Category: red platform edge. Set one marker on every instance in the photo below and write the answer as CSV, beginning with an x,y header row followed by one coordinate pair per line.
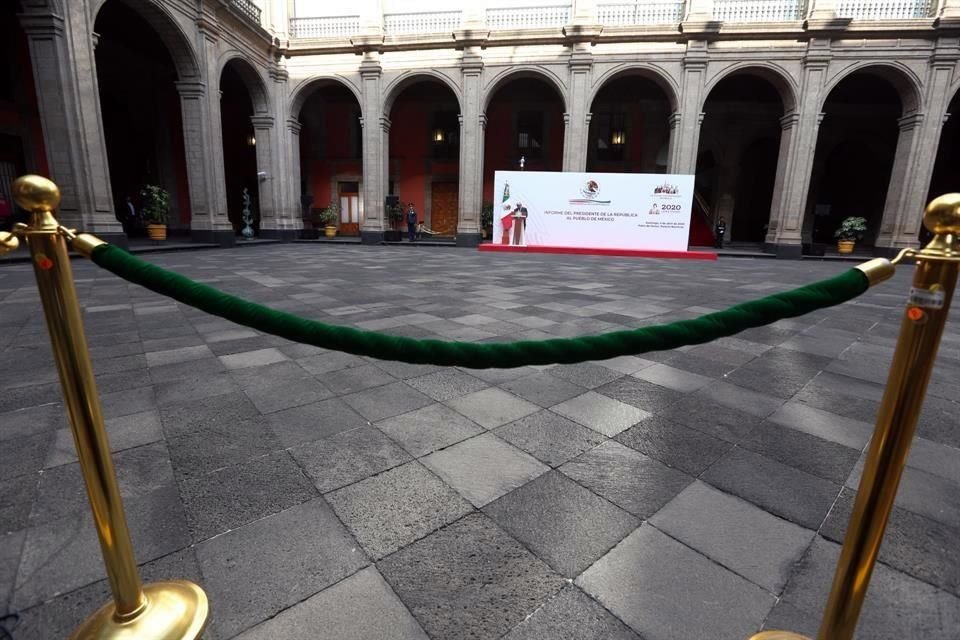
x,y
629,253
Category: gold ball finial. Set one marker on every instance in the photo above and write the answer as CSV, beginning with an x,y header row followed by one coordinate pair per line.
x,y
36,193
943,214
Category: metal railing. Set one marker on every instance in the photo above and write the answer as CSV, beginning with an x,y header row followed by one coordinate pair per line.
x,y
528,17
325,27
758,10
883,9
421,22
630,13
247,8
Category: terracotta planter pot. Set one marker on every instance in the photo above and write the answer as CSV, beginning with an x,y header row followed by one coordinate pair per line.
x,y
330,231
157,232
845,246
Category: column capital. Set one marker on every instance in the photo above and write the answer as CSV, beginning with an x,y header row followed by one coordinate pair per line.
x,y
471,64
294,126
385,124
191,88
261,122
673,120
370,67
700,117
41,24
910,121
208,26
789,120
482,118
580,61
820,117
566,118
279,74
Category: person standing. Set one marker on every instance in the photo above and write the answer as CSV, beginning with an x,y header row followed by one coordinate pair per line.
x,y
411,222
519,225
721,231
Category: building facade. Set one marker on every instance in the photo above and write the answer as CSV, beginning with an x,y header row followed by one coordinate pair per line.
x,y
792,116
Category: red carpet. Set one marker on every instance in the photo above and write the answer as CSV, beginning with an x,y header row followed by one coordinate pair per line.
x,y
630,253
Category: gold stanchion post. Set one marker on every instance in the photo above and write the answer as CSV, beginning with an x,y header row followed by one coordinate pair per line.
x,y
159,611
927,306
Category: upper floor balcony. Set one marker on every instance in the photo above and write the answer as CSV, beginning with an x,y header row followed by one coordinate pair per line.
x,y
557,14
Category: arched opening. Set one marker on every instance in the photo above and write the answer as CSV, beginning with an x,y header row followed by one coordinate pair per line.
x,y
742,123
425,155
629,128
946,169
21,138
524,121
239,147
331,157
142,121
856,146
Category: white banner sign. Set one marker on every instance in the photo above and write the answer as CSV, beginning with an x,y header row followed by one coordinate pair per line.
x,y
634,211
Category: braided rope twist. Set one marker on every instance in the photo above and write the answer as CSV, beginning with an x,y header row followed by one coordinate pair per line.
x,y
755,313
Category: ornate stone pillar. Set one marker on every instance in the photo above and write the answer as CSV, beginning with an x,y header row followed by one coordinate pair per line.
x,y
903,211
268,172
376,141
782,183
798,145
576,130
208,221
284,221
472,123
900,226
293,162
64,72
685,138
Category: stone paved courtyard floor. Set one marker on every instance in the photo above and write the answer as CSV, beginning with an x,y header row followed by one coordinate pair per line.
x,y
697,494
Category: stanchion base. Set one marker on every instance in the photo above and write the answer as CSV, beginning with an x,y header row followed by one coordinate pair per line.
x,y
176,610
778,635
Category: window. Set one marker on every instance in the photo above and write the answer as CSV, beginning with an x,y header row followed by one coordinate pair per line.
x,y
530,133
445,135
610,136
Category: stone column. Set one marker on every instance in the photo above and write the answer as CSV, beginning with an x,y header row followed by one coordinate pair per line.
x,y
286,221
472,123
782,183
798,145
577,121
64,73
268,172
293,160
902,226
204,150
685,137
376,141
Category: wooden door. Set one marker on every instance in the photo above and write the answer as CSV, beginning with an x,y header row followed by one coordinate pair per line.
x,y
349,208
444,204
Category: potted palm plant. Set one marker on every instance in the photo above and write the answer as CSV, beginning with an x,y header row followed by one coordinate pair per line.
x,y
156,207
486,220
851,230
327,218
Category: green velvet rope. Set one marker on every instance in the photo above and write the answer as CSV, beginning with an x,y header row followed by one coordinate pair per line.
x,y
755,313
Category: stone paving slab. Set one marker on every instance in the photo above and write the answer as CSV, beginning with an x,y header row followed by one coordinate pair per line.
x,y
320,494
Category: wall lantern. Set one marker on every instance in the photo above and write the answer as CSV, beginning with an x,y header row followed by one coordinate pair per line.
x,y
251,141
618,138
438,136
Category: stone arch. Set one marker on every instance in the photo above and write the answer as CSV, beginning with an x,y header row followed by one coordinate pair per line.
x,y
170,32
251,79
306,87
404,80
777,76
513,73
906,83
649,71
